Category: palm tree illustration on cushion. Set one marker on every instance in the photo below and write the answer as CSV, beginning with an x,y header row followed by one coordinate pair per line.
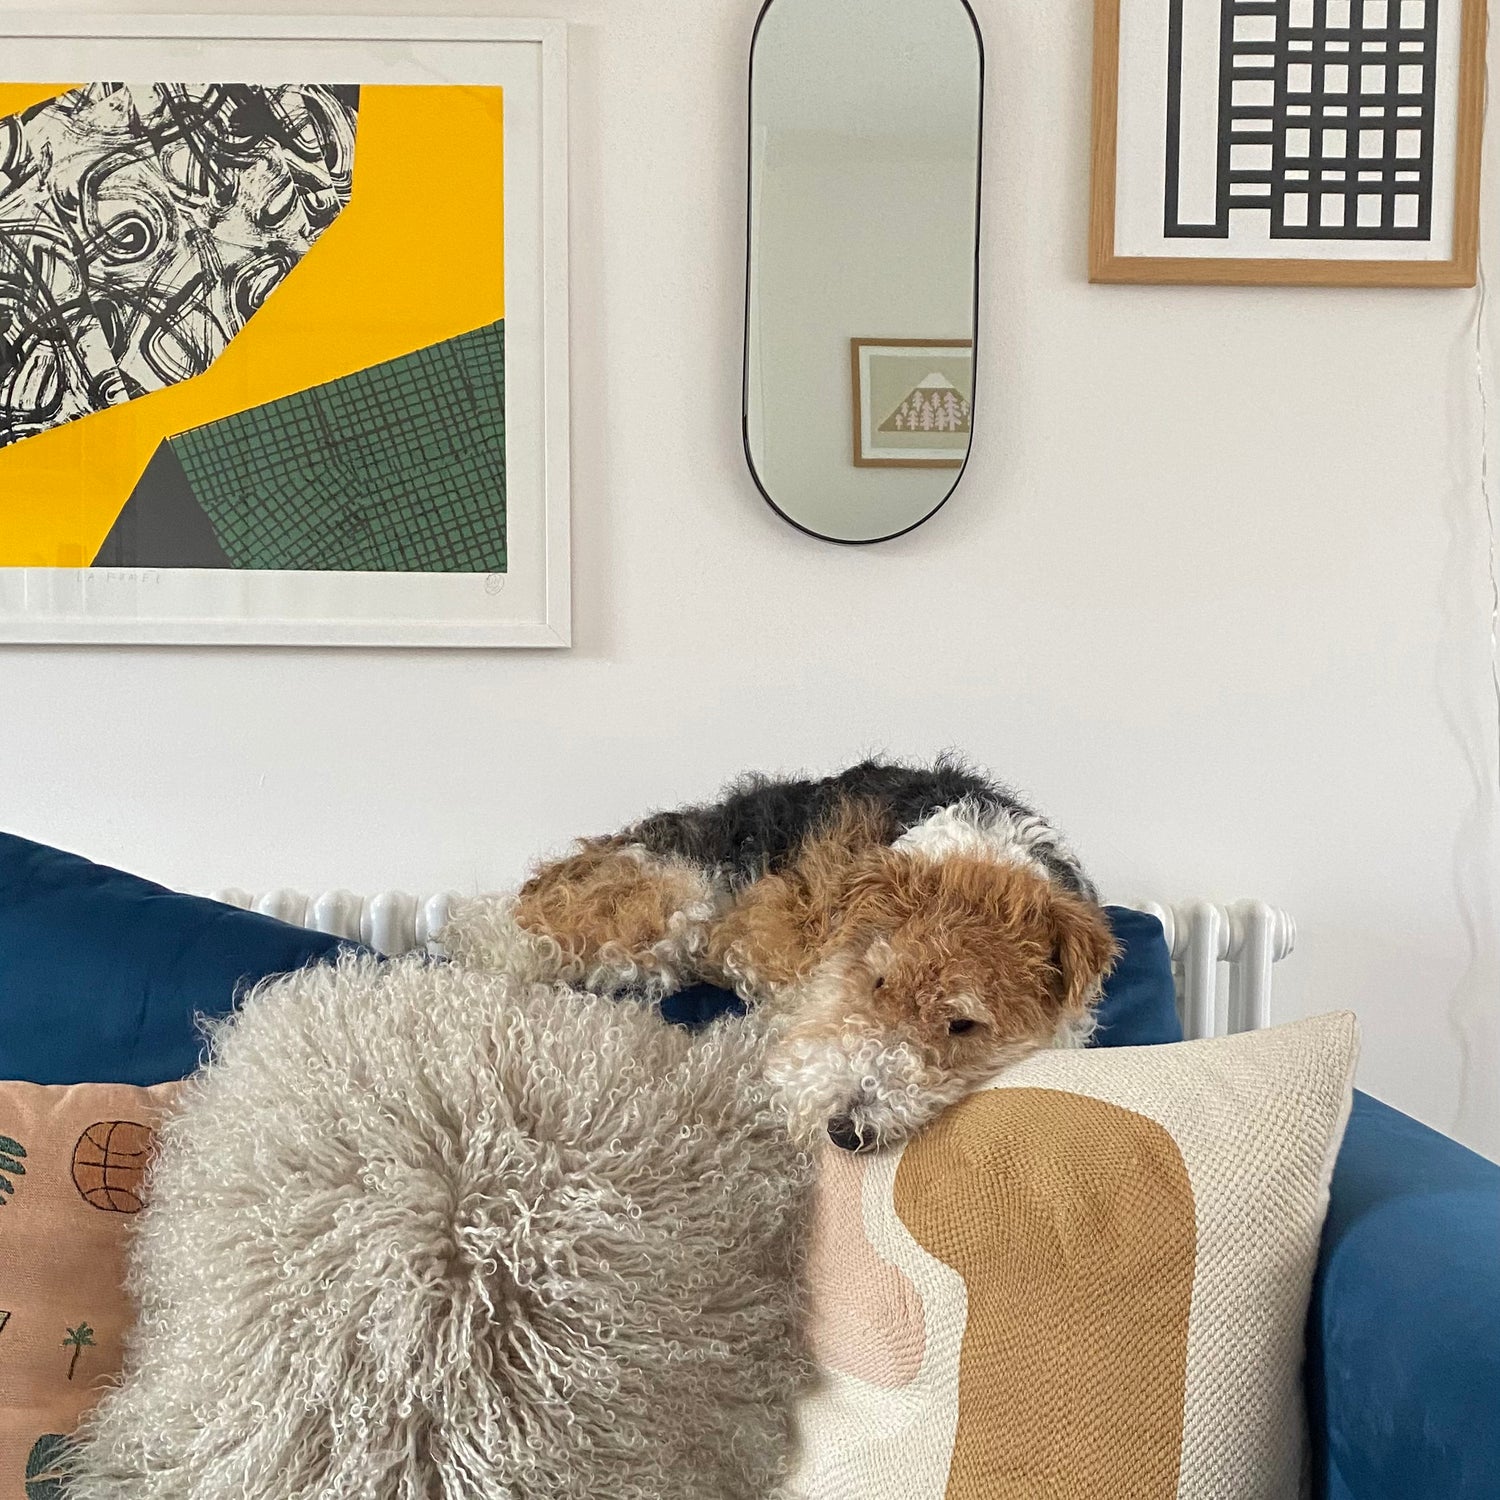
x,y
78,1340
12,1154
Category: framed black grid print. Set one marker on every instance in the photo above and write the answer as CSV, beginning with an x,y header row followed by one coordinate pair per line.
x,y
1331,142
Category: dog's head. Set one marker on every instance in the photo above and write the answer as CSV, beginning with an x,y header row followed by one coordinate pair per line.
x,y
904,981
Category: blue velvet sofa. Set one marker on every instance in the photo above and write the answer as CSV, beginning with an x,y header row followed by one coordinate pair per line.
x,y
1403,1350
102,974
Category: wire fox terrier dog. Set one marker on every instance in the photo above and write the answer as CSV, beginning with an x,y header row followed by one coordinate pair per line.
x,y
908,932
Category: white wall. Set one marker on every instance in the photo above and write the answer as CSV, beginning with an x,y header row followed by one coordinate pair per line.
x,y
1214,589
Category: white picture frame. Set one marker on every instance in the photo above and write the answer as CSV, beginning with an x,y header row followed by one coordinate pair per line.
x,y
529,605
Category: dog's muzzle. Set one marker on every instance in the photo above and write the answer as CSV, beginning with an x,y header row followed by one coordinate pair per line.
x,y
847,1136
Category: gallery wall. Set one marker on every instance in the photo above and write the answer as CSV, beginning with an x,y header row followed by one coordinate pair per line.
x,y
1215,590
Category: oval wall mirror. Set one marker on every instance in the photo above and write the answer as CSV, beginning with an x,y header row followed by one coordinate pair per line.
x,y
862,285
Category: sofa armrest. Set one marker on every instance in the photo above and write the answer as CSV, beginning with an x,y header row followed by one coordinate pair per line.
x,y
1403,1348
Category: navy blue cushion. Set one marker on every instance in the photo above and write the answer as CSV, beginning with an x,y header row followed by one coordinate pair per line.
x,y
699,1004
103,975
1403,1340
1139,1007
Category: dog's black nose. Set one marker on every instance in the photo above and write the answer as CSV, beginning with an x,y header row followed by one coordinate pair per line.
x,y
847,1136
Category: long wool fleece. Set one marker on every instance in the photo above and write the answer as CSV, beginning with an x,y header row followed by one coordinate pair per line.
x,y
420,1233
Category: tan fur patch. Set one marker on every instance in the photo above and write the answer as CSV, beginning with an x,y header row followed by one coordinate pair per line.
x,y
783,923
612,905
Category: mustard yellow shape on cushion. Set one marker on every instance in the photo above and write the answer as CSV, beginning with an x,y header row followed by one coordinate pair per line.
x,y
1072,1224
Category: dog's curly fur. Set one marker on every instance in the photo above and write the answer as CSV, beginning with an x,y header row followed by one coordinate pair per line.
x,y
420,1231
960,899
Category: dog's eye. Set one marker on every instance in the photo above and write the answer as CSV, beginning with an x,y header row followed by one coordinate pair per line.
x,y
961,1027
879,981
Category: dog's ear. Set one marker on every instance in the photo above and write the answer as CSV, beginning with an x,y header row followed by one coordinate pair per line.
x,y
1085,947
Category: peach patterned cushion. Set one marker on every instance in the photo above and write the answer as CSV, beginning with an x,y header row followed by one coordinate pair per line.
x,y
73,1163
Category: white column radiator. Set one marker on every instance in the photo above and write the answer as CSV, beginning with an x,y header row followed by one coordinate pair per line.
x,y
1222,959
1222,956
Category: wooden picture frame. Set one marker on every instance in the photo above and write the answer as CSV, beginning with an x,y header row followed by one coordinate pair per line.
x,y
934,448
1450,89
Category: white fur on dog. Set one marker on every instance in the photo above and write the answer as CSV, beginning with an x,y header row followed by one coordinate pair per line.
x,y
998,834
420,1233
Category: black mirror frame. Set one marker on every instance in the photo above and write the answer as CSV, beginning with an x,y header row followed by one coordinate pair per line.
x,y
958,478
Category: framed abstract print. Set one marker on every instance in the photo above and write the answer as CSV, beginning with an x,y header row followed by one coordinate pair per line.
x,y
1312,142
283,331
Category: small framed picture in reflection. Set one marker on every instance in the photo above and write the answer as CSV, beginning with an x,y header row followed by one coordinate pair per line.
x,y
913,402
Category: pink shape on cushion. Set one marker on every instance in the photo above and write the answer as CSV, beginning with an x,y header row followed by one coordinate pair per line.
x,y
865,1316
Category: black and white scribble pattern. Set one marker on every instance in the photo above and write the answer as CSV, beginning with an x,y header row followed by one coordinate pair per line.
x,y
1325,122
142,225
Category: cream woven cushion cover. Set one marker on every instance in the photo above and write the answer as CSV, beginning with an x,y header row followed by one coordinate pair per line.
x,y
1086,1282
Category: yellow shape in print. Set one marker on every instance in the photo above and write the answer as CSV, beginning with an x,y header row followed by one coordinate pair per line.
x,y
417,257
14,97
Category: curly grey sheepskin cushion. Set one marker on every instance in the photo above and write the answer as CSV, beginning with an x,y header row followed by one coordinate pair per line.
x,y
425,1234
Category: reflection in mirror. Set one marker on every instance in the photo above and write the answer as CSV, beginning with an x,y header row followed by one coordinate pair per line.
x,y
862,291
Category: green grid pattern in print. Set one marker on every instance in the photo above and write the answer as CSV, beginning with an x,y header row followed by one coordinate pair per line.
x,y
396,469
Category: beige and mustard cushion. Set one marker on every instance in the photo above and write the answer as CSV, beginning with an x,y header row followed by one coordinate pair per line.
x,y
1087,1281
73,1165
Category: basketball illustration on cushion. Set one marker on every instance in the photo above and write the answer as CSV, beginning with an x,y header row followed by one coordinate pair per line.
x,y
110,1162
